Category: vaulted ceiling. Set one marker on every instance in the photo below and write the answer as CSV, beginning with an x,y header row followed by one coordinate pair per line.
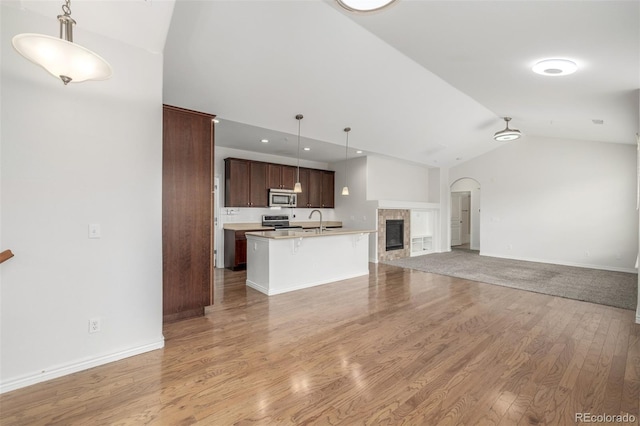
x,y
425,81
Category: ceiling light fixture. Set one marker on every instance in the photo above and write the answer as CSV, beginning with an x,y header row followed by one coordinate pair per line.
x,y
264,140
307,148
364,5
507,134
555,67
60,56
345,188
298,187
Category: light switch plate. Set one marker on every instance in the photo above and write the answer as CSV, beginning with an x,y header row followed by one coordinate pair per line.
x,y
94,230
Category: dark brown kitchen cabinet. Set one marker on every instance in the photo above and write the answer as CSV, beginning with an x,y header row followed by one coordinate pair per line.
x,y
187,214
281,176
237,182
235,249
328,189
315,188
258,188
245,183
303,197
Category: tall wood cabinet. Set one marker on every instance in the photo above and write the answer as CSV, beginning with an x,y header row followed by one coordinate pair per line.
x,y
187,213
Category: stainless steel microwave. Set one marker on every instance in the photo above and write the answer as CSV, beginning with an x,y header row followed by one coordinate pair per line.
x,y
282,198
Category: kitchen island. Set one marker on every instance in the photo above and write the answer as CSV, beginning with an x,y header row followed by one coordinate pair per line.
x,y
288,260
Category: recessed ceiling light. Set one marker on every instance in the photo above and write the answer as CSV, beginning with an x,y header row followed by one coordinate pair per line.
x,y
364,5
359,151
596,121
555,67
307,148
264,140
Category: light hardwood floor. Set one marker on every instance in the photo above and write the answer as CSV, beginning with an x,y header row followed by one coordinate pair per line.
x,y
397,347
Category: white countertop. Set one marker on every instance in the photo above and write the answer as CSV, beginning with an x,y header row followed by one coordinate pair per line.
x,y
311,233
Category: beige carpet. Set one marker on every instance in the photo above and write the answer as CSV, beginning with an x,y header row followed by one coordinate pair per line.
x,y
619,289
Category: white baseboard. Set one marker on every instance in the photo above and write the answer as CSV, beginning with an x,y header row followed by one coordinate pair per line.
x,y
555,262
32,379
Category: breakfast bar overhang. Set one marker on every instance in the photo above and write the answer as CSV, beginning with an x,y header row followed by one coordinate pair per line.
x,y
288,260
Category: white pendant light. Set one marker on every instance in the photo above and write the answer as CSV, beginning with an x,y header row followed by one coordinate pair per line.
x,y
345,188
507,134
298,187
364,5
60,56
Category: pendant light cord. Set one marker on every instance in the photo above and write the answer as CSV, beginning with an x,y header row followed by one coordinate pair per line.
x,y
346,155
298,117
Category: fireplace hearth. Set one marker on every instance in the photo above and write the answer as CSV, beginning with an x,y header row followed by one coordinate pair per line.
x,y
394,239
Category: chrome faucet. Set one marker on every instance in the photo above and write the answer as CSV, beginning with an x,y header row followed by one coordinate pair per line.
x,y
320,213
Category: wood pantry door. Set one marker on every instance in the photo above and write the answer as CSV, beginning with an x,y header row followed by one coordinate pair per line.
x,y
187,213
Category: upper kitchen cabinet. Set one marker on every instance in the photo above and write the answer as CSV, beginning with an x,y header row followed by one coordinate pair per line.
x,y
281,176
236,182
258,188
245,183
317,188
328,189
187,194
303,197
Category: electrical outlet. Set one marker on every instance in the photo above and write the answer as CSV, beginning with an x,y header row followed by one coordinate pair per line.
x,y
94,325
94,230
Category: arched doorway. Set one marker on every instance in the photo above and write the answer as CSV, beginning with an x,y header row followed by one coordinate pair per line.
x,y
465,214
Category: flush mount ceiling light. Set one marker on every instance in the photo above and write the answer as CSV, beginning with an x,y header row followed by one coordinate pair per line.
x,y
60,56
298,186
507,134
364,5
555,67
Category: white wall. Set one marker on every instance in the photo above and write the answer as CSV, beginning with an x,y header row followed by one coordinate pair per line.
x,y
433,195
396,180
558,201
88,153
354,210
638,207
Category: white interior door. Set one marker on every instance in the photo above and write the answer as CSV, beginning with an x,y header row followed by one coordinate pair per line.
x,y
465,217
456,218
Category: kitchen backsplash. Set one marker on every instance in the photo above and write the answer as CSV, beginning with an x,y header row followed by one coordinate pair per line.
x,y
252,214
